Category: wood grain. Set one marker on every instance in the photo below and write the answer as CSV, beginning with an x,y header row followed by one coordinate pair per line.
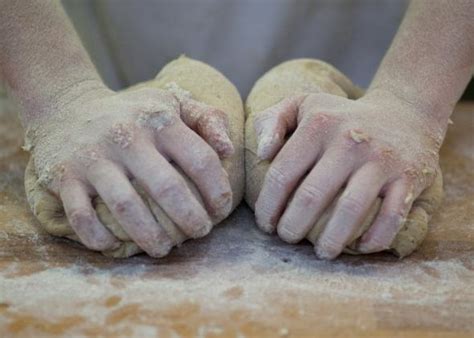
x,y
238,282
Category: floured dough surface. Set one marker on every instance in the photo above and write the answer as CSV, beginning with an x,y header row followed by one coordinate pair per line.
x,y
305,76
204,84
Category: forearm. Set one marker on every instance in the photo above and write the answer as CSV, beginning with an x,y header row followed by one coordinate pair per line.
x,y
431,59
42,59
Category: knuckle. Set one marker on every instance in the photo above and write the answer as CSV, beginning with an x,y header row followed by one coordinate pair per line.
x,y
159,114
121,134
81,217
408,177
358,136
60,175
309,195
98,243
169,188
350,205
62,172
384,155
123,205
317,121
205,162
412,176
329,243
419,176
277,177
394,219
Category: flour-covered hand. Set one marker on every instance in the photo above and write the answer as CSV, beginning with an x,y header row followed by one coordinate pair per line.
x,y
376,146
94,141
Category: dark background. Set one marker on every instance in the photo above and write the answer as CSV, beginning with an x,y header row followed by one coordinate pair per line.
x,y
469,93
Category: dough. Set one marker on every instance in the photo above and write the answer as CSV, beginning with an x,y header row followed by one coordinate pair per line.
x,y
206,85
314,76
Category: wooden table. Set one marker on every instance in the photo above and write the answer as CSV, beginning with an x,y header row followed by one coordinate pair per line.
x,y
238,282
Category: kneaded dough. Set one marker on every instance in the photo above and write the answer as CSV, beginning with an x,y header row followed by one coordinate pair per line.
x,y
207,85
303,76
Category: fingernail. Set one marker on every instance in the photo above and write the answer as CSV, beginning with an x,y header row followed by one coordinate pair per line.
x,y
287,235
223,206
204,230
362,247
322,254
367,247
160,251
268,228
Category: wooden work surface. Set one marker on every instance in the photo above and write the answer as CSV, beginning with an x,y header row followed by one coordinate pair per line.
x,y
238,282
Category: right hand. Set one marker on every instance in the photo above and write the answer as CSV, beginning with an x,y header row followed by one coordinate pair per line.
x,y
94,144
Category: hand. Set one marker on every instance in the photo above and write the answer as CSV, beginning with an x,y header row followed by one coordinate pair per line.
x,y
378,145
94,144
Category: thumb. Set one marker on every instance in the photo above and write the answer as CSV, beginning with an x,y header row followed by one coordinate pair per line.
x,y
210,123
274,123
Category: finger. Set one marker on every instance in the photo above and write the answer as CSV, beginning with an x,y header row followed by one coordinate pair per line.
x,y
293,161
314,195
83,219
273,124
351,210
197,159
210,123
128,209
168,189
390,219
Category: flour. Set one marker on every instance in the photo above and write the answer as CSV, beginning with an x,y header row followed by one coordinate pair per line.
x,y
359,136
121,135
288,292
158,117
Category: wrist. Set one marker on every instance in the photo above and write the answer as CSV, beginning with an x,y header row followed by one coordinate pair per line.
x,y
64,97
429,111
78,93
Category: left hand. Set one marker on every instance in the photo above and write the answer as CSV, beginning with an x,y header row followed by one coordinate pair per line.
x,y
378,145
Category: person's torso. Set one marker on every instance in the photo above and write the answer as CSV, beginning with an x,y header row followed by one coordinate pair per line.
x,y
130,41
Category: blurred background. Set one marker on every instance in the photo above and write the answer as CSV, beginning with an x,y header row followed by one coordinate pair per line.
x,y
469,92
130,41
